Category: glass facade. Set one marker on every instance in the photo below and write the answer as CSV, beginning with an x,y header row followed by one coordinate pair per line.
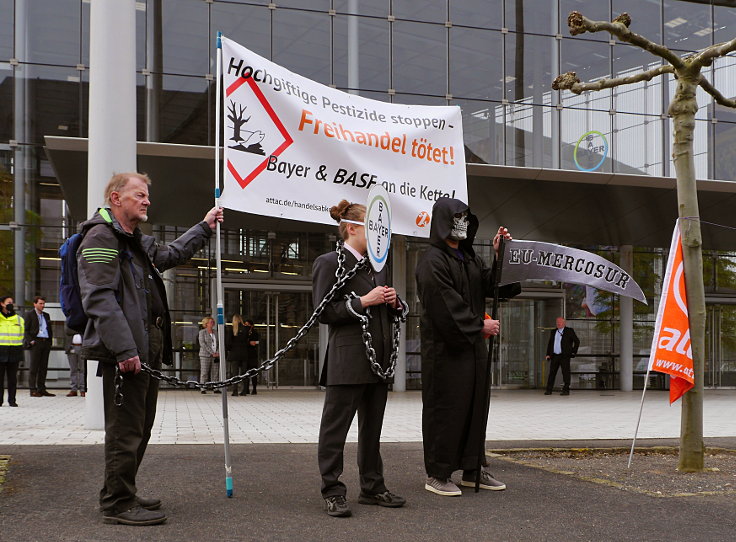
x,y
493,58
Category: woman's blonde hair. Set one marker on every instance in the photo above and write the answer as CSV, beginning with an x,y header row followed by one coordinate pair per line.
x,y
348,211
237,322
205,320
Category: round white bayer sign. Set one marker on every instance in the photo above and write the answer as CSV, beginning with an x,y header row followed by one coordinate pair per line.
x,y
378,226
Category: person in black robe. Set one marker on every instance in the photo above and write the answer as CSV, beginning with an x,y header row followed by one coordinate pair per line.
x,y
453,284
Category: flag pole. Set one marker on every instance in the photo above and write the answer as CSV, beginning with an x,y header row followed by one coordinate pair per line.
x,y
487,385
638,421
218,250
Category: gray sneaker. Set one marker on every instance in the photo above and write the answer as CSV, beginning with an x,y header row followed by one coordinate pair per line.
x,y
445,487
487,481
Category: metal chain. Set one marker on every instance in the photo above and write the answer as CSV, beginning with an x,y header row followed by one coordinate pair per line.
x,y
118,387
365,319
342,279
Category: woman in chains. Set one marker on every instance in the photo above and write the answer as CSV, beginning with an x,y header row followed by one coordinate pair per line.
x,y
351,385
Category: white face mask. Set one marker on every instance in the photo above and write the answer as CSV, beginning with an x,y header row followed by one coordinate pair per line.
x,y
459,230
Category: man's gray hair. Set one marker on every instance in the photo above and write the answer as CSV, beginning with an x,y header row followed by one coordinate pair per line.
x,y
118,182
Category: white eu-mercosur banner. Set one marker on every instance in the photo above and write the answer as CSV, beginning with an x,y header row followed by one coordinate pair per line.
x,y
293,147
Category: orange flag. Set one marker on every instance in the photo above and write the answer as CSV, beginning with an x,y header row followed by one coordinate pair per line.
x,y
671,349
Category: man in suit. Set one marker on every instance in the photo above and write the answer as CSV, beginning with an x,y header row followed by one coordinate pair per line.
x,y
37,339
563,345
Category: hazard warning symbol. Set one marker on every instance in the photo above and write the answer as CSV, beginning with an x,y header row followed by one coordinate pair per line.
x,y
252,132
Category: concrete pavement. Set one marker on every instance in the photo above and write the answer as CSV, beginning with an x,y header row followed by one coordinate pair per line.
x,y
56,466
188,417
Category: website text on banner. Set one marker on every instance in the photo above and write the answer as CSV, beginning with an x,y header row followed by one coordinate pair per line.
x,y
671,348
294,147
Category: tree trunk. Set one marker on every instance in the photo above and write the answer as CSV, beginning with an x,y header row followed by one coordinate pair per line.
x,y
683,109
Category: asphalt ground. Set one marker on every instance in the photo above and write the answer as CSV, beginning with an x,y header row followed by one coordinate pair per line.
x,y
50,494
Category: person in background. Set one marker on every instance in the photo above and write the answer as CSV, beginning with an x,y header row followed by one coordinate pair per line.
x,y
11,348
209,354
236,345
77,370
38,339
562,345
253,340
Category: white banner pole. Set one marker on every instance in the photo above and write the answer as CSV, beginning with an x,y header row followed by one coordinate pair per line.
x,y
218,251
638,421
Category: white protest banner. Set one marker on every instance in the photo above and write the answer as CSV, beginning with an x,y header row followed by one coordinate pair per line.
x,y
378,226
293,147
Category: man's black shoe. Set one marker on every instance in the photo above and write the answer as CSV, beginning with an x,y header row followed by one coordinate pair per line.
x,y
548,393
135,516
387,499
13,404
337,506
149,503
565,393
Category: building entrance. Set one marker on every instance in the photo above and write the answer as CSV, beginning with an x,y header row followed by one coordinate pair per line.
x,y
525,324
278,314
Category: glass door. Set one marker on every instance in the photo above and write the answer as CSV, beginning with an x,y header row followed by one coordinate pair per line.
x,y
278,315
525,325
720,346
300,366
515,368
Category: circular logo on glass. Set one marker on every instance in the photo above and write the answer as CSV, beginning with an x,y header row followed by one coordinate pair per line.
x,y
590,151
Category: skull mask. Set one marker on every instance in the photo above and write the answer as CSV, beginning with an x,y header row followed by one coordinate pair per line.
x,y
459,227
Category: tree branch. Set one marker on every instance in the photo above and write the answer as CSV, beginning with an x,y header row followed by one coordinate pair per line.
x,y
569,81
709,54
619,27
713,91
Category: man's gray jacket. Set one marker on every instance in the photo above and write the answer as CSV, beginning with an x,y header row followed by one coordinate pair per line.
x,y
115,288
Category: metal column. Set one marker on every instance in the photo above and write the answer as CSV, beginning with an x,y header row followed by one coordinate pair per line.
x,y
398,258
627,325
112,95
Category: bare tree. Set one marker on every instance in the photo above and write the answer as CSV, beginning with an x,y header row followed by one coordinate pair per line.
x,y
682,109
237,119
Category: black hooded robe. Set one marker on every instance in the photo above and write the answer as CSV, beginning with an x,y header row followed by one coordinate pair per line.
x,y
452,287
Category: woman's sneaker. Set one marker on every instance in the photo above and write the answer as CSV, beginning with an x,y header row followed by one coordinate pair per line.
x,y
387,499
445,487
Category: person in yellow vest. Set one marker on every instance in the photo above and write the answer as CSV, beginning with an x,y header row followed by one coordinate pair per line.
x,y
11,347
